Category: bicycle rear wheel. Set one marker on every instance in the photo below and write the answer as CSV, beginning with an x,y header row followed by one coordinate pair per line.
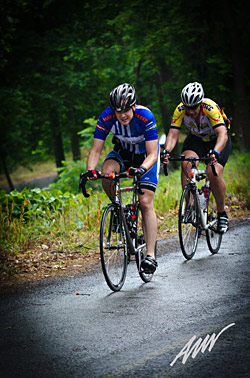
x,y
113,247
213,237
188,222
142,250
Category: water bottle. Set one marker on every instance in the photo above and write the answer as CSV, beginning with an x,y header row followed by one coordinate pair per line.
x,y
206,192
203,200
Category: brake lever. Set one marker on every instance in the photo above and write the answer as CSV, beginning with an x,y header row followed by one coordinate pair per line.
x,y
212,166
82,185
165,169
213,169
138,187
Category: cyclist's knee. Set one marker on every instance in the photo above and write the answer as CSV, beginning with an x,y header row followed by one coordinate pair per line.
x,y
110,165
219,171
146,200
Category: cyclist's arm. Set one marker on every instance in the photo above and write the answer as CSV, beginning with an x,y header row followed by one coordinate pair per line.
x,y
152,153
221,133
171,139
94,154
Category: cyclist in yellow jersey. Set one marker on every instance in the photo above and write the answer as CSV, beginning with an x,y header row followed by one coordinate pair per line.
x,y
208,130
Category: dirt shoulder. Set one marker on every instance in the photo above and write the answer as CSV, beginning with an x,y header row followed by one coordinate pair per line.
x,y
44,263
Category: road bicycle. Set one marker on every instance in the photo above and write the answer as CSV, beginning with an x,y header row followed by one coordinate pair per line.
x,y
121,232
197,209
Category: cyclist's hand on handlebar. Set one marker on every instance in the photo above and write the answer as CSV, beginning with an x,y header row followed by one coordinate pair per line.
x,y
214,156
132,172
91,174
165,156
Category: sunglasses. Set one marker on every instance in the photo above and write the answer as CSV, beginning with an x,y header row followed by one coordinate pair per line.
x,y
191,107
124,110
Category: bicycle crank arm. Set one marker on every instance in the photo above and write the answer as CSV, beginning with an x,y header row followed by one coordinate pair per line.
x,y
210,225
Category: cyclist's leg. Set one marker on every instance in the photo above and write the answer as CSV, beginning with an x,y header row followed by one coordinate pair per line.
x,y
218,187
192,147
149,220
217,183
112,163
186,166
148,184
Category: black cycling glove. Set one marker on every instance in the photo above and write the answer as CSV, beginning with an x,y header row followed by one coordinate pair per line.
x,y
136,171
163,154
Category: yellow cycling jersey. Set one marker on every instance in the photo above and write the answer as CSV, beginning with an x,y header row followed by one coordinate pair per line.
x,y
211,116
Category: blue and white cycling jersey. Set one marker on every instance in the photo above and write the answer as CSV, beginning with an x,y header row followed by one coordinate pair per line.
x,y
133,136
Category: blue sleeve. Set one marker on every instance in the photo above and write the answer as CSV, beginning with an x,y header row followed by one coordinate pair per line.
x,y
104,124
151,132
147,118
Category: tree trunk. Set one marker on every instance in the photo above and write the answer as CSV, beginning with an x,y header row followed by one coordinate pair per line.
x,y
58,149
5,169
242,109
164,111
57,139
75,146
163,108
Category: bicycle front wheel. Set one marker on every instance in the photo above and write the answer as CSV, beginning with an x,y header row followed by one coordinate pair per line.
x,y
213,237
142,249
113,247
188,222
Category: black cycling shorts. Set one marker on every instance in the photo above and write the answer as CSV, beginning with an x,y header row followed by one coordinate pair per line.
x,y
201,148
127,159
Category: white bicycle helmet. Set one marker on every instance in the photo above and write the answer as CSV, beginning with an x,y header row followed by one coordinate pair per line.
x,y
122,97
192,94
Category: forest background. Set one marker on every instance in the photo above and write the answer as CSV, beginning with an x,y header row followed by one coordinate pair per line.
x,y
60,59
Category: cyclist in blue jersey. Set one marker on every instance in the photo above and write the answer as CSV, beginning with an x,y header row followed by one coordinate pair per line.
x,y
136,151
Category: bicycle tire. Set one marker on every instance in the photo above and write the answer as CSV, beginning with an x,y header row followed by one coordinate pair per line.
x,y
141,254
214,239
113,247
188,222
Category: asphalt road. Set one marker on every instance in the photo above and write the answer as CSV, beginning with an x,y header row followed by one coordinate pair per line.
x,y
146,330
37,182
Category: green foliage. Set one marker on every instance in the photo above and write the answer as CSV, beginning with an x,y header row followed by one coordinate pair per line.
x,y
58,67
69,219
87,133
69,176
237,177
30,213
65,64
37,215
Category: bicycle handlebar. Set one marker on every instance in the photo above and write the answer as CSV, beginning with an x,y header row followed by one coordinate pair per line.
x,y
113,176
191,159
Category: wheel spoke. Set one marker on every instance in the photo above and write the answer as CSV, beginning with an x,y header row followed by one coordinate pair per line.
x,y
213,237
188,223
113,248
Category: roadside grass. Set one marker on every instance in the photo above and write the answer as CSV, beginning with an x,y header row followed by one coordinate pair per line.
x,y
38,225
237,178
